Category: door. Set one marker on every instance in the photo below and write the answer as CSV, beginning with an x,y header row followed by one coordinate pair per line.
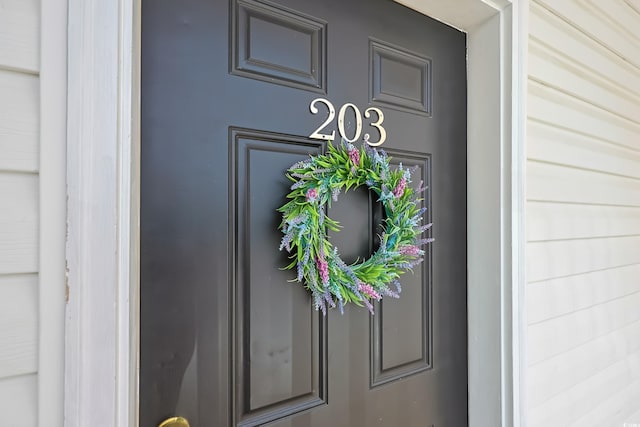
x,y
226,338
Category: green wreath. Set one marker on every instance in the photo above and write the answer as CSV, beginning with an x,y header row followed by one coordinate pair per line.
x,y
318,181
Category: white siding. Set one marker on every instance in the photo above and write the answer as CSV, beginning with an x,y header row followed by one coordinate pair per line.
x,y
20,35
19,215
583,213
18,401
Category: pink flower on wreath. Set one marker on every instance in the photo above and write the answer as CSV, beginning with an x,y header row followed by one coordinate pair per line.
x,y
354,155
312,195
323,269
410,250
369,291
399,190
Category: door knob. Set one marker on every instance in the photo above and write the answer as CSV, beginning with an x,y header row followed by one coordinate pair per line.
x,y
174,422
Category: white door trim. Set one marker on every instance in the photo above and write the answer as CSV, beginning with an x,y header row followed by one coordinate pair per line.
x,y
495,216
517,239
101,349
53,214
101,330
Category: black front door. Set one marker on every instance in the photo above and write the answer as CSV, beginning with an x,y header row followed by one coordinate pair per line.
x,y
226,339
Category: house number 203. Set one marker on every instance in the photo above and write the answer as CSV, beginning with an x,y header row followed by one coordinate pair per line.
x,y
318,133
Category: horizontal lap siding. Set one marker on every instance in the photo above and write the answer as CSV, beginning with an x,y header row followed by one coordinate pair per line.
x,y
583,213
20,35
18,223
19,400
19,105
19,216
18,333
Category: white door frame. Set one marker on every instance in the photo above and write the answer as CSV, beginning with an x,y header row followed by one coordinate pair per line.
x,y
102,328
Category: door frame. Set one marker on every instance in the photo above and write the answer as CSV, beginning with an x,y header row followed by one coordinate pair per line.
x,y
103,191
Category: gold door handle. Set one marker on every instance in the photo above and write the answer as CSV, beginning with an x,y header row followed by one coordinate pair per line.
x,y
174,422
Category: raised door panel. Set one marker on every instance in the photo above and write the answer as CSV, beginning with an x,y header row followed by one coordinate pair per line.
x,y
280,362
278,45
401,336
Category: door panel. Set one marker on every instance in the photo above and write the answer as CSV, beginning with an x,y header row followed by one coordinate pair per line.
x,y
226,339
277,44
279,340
401,339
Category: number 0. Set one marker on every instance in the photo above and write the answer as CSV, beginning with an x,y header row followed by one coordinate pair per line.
x,y
341,114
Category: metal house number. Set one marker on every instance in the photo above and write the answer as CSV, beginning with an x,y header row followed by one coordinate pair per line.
x,y
318,133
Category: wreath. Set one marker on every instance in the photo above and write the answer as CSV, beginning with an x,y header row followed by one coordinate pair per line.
x,y
317,182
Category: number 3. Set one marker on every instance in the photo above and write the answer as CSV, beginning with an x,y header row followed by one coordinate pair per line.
x,y
377,125
317,134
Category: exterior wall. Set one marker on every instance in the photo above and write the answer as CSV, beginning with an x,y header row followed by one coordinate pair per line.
x,y
583,213
19,215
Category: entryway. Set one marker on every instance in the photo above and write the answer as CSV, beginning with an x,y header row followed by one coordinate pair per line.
x,y
225,338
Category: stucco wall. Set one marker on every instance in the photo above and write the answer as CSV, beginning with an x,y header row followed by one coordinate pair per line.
x,y
583,213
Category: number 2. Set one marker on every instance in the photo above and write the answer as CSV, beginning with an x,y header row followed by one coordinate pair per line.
x,y
332,113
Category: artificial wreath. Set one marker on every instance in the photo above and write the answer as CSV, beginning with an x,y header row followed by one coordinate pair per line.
x,y
317,182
